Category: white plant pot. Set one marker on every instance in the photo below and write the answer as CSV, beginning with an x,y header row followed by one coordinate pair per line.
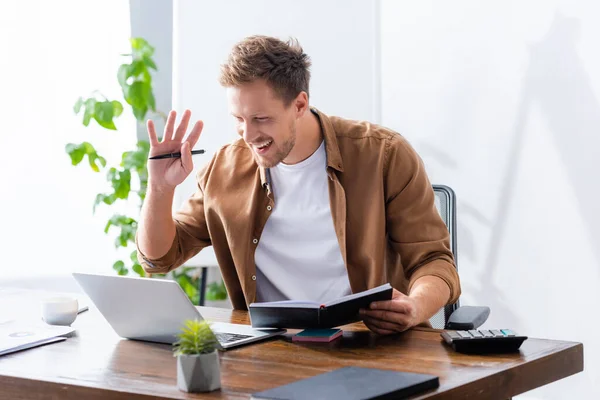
x,y
198,373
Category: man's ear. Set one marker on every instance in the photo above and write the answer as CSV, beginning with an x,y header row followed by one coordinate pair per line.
x,y
300,104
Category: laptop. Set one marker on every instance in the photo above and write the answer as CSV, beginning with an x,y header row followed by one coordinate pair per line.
x,y
154,310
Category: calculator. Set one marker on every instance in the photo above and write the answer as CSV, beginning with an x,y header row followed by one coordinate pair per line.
x,y
484,341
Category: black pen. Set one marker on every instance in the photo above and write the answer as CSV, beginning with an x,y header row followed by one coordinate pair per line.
x,y
174,155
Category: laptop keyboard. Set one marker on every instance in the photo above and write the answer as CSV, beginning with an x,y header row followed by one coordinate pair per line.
x,y
223,337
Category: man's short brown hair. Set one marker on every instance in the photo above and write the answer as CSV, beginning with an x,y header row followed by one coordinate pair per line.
x,y
283,65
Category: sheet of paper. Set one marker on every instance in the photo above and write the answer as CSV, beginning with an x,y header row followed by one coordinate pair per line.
x,y
17,335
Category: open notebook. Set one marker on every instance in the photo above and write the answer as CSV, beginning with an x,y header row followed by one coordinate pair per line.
x,y
294,314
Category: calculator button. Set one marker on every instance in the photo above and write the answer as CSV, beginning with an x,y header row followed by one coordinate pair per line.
x,y
486,333
497,333
475,333
464,334
453,335
508,332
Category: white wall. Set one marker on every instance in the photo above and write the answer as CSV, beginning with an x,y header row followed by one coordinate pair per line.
x,y
204,33
50,54
153,20
501,100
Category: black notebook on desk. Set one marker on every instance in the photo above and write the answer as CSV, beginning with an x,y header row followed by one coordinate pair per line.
x,y
294,314
353,383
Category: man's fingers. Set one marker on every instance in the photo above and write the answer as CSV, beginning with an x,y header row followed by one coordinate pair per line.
x,y
195,134
384,315
169,127
376,329
391,305
183,125
385,325
152,132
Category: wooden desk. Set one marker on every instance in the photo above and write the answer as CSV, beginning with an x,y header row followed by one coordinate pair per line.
x,y
97,364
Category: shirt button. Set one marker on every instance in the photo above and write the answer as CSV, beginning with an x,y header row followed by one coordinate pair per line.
x,y
269,208
253,277
254,240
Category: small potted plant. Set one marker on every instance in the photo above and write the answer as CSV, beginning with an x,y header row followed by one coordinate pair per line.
x,y
198,367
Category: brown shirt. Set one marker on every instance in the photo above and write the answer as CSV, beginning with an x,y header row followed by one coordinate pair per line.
x,y
382,205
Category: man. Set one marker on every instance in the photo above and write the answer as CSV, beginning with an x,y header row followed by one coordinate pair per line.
x,y
303,206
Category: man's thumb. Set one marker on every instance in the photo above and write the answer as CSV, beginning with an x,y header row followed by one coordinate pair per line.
x,y
186,158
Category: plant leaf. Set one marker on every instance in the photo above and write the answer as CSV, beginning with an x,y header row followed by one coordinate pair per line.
x,y
137,67
117,108
119,266
137,94
123,74
78,104
103,114
141,48
88,114
151,101
196,337
75,152
140,113
137,268
150,63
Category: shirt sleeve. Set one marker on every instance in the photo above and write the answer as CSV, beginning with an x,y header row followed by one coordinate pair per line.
x,y
416,231
191,233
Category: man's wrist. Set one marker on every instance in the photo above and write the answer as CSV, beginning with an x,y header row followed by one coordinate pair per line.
x,y
430,293
160,189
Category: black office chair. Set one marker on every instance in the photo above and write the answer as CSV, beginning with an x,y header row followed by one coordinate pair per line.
x,y
453,316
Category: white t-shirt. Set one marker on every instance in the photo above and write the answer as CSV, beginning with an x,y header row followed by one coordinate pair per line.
x,y
298,256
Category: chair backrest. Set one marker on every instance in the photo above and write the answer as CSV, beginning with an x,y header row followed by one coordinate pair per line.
x,y
445,202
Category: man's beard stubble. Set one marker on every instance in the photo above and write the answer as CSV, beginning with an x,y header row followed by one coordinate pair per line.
x,y
281,153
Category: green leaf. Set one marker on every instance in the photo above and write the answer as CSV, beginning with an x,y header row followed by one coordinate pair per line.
x,y
78,104
122,185
92,158
123,74
103,198
133,256
151,101
87,116
119,266
75,152
128,228
90,105
138,93
120,182
216,291
137,268
141,48
140,113
150,63
104,111
138,67
117,108
103,114
137,159
196,337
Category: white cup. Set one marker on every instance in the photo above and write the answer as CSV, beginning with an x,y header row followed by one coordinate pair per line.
x,y
60,310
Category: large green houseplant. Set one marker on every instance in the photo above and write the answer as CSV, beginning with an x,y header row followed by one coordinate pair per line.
x,y
130,176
